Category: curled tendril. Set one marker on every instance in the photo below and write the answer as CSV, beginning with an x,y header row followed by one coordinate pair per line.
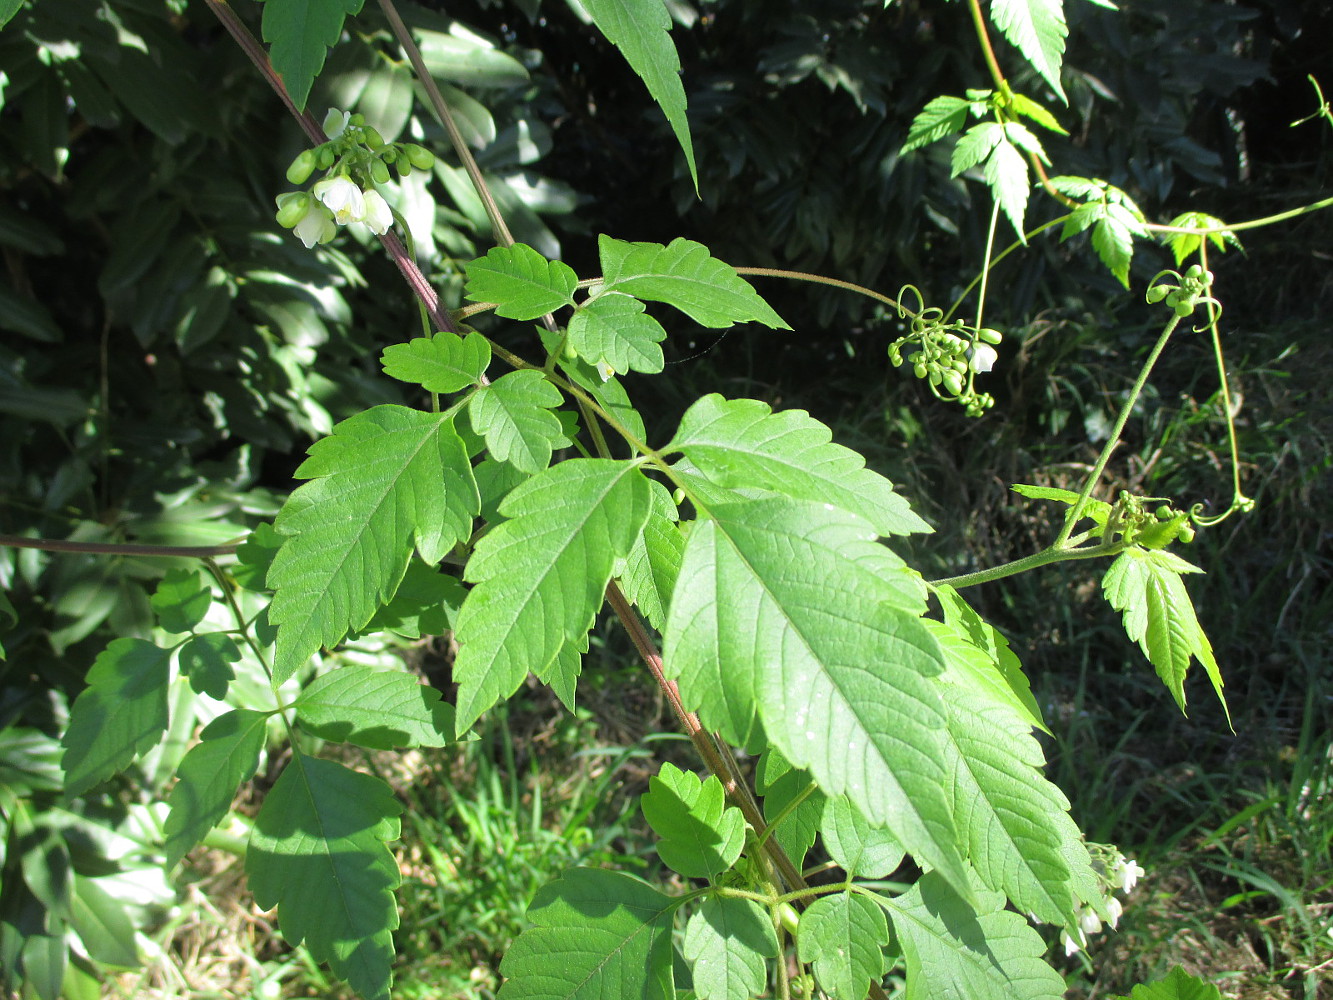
x,y
903,311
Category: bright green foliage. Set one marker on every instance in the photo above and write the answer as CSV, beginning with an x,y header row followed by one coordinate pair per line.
x,y
1146,585
701,836
597,934
942,116
442,363
684,275
1037,29
955,950
654,561
300,33
206,660
386,479
1185,245
639,29
1097,510
319,854
520,282
514,415
120,714
1114,217
862,850
843,937
101,922
1001,148
1178,985
787,610
181,600
1030,109
377,709
793,804
541,575
727,942
613,328
741,442
225,756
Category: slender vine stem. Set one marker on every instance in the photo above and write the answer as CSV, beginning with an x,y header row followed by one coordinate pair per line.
x,y
116,548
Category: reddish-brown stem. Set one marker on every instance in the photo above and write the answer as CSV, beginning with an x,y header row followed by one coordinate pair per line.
x,y
115,548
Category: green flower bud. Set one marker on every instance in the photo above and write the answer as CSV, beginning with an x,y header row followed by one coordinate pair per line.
x,y
420,157
953,382
919,370
403,165
302,167
988,336
324,157
292,208
1184,307
1156,293
372,138
379,173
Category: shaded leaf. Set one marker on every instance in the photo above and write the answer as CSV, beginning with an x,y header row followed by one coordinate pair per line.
x,y
793,802
181,599
318,853
206,660
843,937
654,561
597,934
684,275
426,603
514,415
100,920
726,943
445,362
300,33
386,479
862,850
955,950
209,776
121,714
377,709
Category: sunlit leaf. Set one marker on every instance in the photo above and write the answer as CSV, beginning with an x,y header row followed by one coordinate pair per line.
x,y
842,937
727,941
514,415
613,328
208,778
1037,29
700,835
378,709
445,362
521,282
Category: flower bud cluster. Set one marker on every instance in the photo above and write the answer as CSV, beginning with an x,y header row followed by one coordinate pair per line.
x,y
948,356
1192,289
1117,874
355,159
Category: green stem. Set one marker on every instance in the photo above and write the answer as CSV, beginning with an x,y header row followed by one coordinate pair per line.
x,y
1135,391
1267,220
116,548
1045,557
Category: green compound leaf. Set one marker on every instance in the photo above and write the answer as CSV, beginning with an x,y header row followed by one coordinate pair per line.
x,y
442,363
181,600
514,415
613,328
741,442
206,660
426,603
377,709
1096,510
521,282
955,950
541,575
1146,585
859,848
1114,217
209,776
942,116
639,29
121,714
299,33
790,611
843,937
319,854
684,275
598,934
701,836
726,943
1037,29
386,479
1007,175
1178,985
1028,108
975,146
654,561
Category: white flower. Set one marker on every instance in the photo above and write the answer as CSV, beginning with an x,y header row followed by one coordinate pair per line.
x,y
1072,946
1128,872
605,370
378,217
1088,921
1113,911
316,226
335,122
342,197
982,358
